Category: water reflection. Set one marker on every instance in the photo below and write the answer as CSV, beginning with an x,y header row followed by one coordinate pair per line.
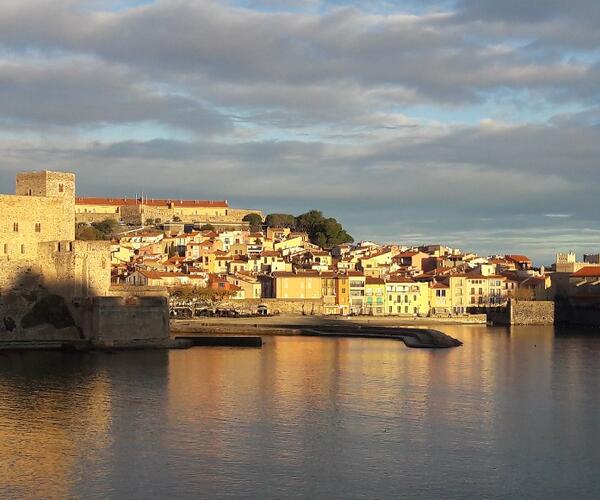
x,y
511,413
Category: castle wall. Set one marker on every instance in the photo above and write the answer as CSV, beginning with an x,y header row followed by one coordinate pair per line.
x,y
19,229
75,268
127,320
56,185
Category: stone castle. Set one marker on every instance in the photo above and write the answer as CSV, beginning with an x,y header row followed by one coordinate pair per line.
x,y
54,287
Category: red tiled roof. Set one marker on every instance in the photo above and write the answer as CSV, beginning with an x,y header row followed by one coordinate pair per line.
x,y
522,259
150,202
587,272
400,279
374,281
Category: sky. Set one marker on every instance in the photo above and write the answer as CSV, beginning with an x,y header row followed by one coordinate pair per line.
x,y
473,123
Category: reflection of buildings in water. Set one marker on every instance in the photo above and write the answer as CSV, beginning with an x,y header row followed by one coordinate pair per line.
x,y
54,412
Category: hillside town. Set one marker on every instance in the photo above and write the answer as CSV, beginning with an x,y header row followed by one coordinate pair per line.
x,y
263,269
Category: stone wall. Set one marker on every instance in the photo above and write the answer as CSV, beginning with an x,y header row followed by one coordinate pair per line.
x,y
524,312
274,306
75,268
128,319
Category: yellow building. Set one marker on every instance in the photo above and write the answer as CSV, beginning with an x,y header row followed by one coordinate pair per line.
x,y
356,285
249,285
292,242
297,285
374,296
440,299
376,264
342,291
278,233
404,296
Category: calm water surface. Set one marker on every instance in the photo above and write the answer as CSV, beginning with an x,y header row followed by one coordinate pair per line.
x,y
511,414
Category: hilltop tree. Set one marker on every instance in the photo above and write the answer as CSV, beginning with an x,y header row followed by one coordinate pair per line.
x,y
280,220
255,221
322,231
207,227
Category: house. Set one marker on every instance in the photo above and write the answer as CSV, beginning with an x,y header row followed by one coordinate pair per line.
x,y
440,299
297,285
143,277
374,303
356,285
405,296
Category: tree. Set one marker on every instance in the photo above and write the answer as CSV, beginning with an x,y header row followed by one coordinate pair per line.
x,y
102,230
255,221
207,227
176,219
325,232
149,221
280,220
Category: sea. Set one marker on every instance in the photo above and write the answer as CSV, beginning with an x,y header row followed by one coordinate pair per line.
x,y
513,413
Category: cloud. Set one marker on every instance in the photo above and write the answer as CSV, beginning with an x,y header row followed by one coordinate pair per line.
x,y
417,117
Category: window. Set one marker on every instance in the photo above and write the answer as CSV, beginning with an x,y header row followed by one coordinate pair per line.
x,y
22,248
6,248
38,227
61,188
16,227
29,192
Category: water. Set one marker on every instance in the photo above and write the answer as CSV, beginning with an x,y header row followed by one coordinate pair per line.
x,y
511,414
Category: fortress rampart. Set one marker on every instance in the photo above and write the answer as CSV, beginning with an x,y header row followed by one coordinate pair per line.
x,y
51,283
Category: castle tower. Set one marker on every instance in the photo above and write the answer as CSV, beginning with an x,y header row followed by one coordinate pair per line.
x,y
52,185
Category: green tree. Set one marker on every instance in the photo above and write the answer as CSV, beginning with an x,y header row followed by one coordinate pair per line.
x,y
280,220
103,230
325,232
207,227
255,221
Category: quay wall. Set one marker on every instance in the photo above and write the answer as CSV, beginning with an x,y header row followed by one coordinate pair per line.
x,y
524,312
568,313
125,319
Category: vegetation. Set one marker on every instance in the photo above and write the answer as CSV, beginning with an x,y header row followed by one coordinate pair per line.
x,y
255,221
280,220
323,231
103,230
207,227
